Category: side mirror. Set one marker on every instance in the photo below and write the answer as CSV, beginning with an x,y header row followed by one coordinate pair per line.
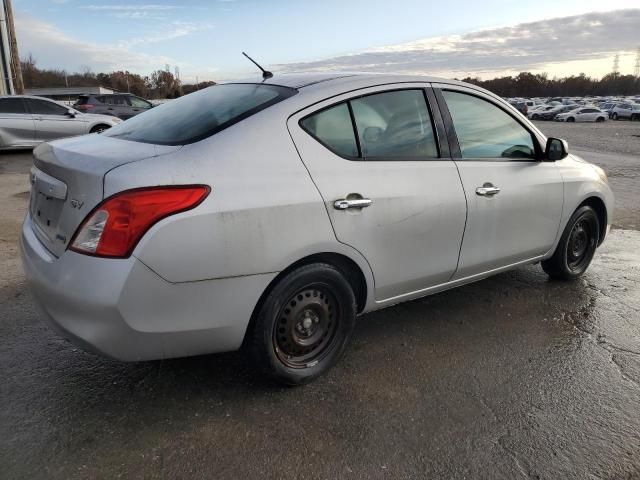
x,y
556,149
372,134
71,113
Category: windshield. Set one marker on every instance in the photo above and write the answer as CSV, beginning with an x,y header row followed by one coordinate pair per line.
x,y
200,114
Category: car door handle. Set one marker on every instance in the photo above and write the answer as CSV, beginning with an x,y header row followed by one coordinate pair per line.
x,y
487,190
343,203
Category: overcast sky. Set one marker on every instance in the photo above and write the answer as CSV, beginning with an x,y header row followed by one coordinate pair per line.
x,y
452,39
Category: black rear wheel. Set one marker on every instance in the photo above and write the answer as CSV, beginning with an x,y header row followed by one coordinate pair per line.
x,y
303,325
576,247
600,119
99,128
571,119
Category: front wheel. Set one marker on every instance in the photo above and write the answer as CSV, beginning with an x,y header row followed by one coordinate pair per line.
x,y
576,247
614,116
600,119
99,128
303,325
571,119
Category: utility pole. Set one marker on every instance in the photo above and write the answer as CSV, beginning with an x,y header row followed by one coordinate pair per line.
x,y
636,69
13,47
616,64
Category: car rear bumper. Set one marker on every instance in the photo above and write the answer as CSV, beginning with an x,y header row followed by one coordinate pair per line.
x,y
120,308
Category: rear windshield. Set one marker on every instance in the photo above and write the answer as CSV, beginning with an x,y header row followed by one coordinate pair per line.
x,y
200,114
82,100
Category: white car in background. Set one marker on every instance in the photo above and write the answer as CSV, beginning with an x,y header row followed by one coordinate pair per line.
x,y
26,121
582,114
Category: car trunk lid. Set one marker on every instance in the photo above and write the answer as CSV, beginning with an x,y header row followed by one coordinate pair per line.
x,y
67,182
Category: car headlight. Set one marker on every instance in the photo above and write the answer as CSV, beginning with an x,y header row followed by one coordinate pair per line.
x,y
601,173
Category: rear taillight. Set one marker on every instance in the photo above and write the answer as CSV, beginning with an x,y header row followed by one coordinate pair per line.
x,y
114,227
84,106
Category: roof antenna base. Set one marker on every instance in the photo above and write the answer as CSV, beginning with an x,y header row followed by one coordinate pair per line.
x,y
266,74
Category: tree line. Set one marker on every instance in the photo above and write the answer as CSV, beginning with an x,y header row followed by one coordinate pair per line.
x,y
163,84
528,84
159,84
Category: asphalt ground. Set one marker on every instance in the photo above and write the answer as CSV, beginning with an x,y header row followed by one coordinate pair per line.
x,y
512,377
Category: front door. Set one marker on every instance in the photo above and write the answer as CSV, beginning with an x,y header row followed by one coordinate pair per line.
x,y
52,120
389,188
514,198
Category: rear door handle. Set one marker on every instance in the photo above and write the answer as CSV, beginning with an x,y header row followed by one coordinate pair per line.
x,y
343,203
487,190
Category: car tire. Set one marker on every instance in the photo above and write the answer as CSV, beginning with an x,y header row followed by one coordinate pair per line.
x,y
600,119
571,119
534,117
302,327
635,117
99,128
576,247
614,116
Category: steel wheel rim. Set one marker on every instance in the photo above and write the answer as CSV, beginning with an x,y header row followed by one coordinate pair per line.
x,y
580,245
306,326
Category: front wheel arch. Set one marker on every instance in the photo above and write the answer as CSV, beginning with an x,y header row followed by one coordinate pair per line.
x,y
101,127
601,211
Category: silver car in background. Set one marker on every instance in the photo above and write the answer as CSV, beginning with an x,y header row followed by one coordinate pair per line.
x,y
270,213
26,121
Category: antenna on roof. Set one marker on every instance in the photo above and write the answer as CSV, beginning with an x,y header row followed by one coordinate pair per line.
x,y
265,73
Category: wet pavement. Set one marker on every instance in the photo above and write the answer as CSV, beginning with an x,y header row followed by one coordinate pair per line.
x,y
512,377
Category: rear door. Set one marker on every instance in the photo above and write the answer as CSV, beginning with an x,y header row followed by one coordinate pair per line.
x,y
52,120
138,105
514,199
16,123
389,185
118,106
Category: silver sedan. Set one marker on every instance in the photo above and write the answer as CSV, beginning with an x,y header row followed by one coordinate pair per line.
x,y
270,213
26,121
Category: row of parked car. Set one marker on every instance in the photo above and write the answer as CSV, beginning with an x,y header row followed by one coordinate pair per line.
x,y
27,120
579,109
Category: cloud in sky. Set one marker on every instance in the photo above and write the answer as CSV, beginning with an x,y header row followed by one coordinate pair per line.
x,y
48,42
536,46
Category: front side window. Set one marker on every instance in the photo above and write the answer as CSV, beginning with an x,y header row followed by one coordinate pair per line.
x,y
395,125
138,103
486,131
200,114
12,105
333,128
42,107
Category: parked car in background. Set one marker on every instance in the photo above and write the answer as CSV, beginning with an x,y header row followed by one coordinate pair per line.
x,y
121,105
582,114
551,113
521,107
261,213
535,114
26,121
629,111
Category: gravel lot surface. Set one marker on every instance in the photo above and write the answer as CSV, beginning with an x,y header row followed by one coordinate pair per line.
x,y
512,377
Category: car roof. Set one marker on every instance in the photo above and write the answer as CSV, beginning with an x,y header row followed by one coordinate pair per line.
x,y
303,80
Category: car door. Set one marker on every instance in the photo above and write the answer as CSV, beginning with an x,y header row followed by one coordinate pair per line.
x,y
514,199
390,188
118,106
53,121
16,123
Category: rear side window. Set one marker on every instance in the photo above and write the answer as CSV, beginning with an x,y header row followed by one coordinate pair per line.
x,y
82,100
333,128
486,131
200,114
395,125
12,105
392,125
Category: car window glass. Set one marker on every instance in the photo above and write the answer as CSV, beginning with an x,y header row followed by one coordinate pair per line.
x,y
486,131
11,105
42,107
394,125
138,102
334,129
200,114
116,100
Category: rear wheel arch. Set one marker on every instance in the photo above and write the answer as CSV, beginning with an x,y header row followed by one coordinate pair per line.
x,y
601,210
101,127
345,265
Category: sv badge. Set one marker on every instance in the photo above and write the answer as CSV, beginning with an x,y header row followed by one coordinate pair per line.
x,y
76,203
